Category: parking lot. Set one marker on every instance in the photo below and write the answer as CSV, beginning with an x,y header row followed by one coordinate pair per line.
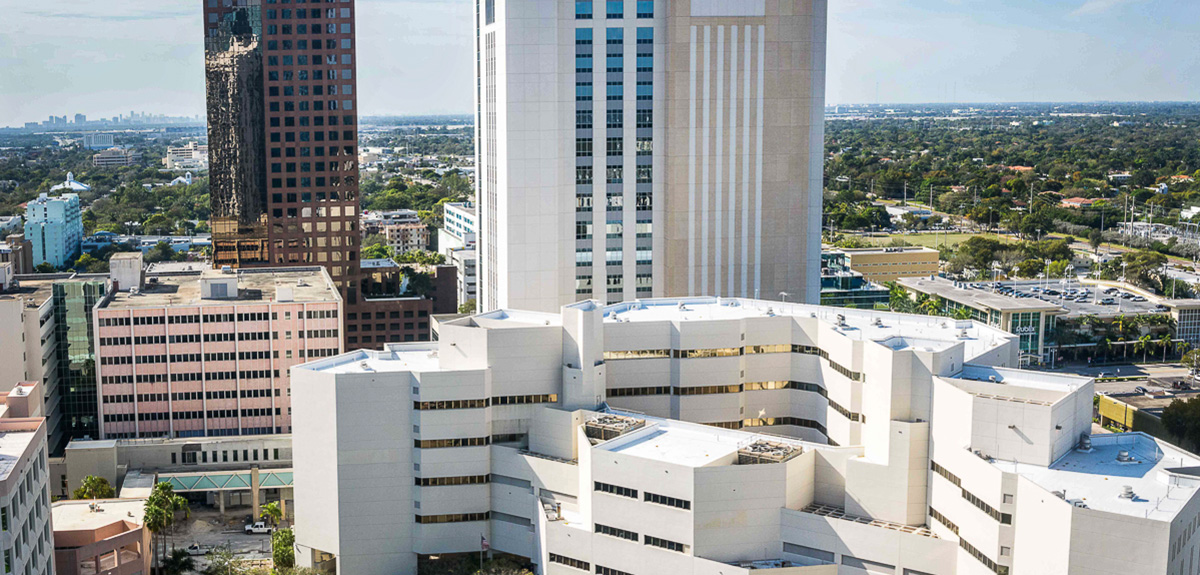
x,y
205,528
1078,299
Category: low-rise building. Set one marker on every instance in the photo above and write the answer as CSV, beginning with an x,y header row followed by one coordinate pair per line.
x,y
98,141
191,156
464,260
459,227
374,222
105,536
1032,320
210,354
1077,203
407,237
116,157
18,251
885,264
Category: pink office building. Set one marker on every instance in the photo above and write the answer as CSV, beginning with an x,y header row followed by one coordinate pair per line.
x,y
209,355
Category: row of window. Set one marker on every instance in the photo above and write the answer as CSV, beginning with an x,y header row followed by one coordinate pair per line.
x,y
665,544
642,119
449,481
600,570
732,352
937,516
616,532
460,442
584,175
482,403
616,490
615,147
569,562
613,9
454,518
979,555
301,13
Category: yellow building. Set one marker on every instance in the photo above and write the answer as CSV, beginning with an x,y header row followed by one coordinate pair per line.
x,y
881,265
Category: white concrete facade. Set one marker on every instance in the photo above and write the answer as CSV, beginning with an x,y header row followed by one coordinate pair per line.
x,y
874,422
634,149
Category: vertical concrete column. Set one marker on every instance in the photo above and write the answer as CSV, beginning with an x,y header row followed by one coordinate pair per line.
x,y
283,495
255,496
221,503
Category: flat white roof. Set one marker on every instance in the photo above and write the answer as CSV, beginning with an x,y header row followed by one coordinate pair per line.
x,y
690,444
672,444
894,330
1063,382
78,514
1097,478
12,446
420,357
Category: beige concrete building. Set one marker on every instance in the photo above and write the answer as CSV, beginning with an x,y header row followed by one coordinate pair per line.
x,y
881,265
101,537
644,149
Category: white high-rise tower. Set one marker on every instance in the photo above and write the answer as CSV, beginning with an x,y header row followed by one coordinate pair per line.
x,y
637,148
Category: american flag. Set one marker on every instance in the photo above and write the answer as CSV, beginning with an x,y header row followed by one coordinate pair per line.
x,y
483,543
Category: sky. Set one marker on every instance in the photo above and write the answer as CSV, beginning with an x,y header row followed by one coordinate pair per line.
x,y
64,57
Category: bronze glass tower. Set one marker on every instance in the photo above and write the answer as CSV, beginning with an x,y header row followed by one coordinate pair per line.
x,y
283,135
283,158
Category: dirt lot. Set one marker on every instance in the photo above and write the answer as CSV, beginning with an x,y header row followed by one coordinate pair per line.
x,y
205,528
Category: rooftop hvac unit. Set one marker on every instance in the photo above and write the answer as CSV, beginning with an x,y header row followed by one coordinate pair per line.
x,y
1127,492
1085,442
1124,457
227,269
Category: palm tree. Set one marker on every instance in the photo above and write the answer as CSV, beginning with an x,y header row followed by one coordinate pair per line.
x,y
931,306
1165,344
1182,347
161,509
1143,345
178,563
273,512
961,313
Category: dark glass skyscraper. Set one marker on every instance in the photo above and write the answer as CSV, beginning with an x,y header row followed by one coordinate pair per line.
x,y
75,355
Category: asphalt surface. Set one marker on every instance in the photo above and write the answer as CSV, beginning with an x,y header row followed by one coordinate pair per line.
x,y
1034,289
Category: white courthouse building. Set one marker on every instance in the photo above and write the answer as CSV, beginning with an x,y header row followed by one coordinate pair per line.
x,y
722,436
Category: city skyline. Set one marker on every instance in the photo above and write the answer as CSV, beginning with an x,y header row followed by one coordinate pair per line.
x,y
879,52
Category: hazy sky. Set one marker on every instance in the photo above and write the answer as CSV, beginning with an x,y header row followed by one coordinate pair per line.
x,y
104,58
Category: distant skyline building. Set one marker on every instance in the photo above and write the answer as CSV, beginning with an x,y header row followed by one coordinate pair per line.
x,y
694,165
98,141
283,153
54,225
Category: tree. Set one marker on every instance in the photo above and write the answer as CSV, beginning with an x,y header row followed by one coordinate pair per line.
x,y
87,263
94,488
45,268
1143,345
222,561
178,563
376,252
273,512
421,257
283,548
160,512
1165,343
467,306
1182,419
162,252
1095,239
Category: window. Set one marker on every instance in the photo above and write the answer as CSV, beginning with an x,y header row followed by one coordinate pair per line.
x,y
668,501
645,146
615,174
616,532
583,119
645,8
583,9
569,562
616,119
615,8
583,175
615,146
616,490
665,544
583,148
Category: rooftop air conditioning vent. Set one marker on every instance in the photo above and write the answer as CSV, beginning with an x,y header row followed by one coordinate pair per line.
x,y
365,366
1127,493
1123,456
992,378
878,322
227,269
1085,442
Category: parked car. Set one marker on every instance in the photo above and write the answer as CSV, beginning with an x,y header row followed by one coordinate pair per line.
x,y
259,527
1140,389
196,549
1108,301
